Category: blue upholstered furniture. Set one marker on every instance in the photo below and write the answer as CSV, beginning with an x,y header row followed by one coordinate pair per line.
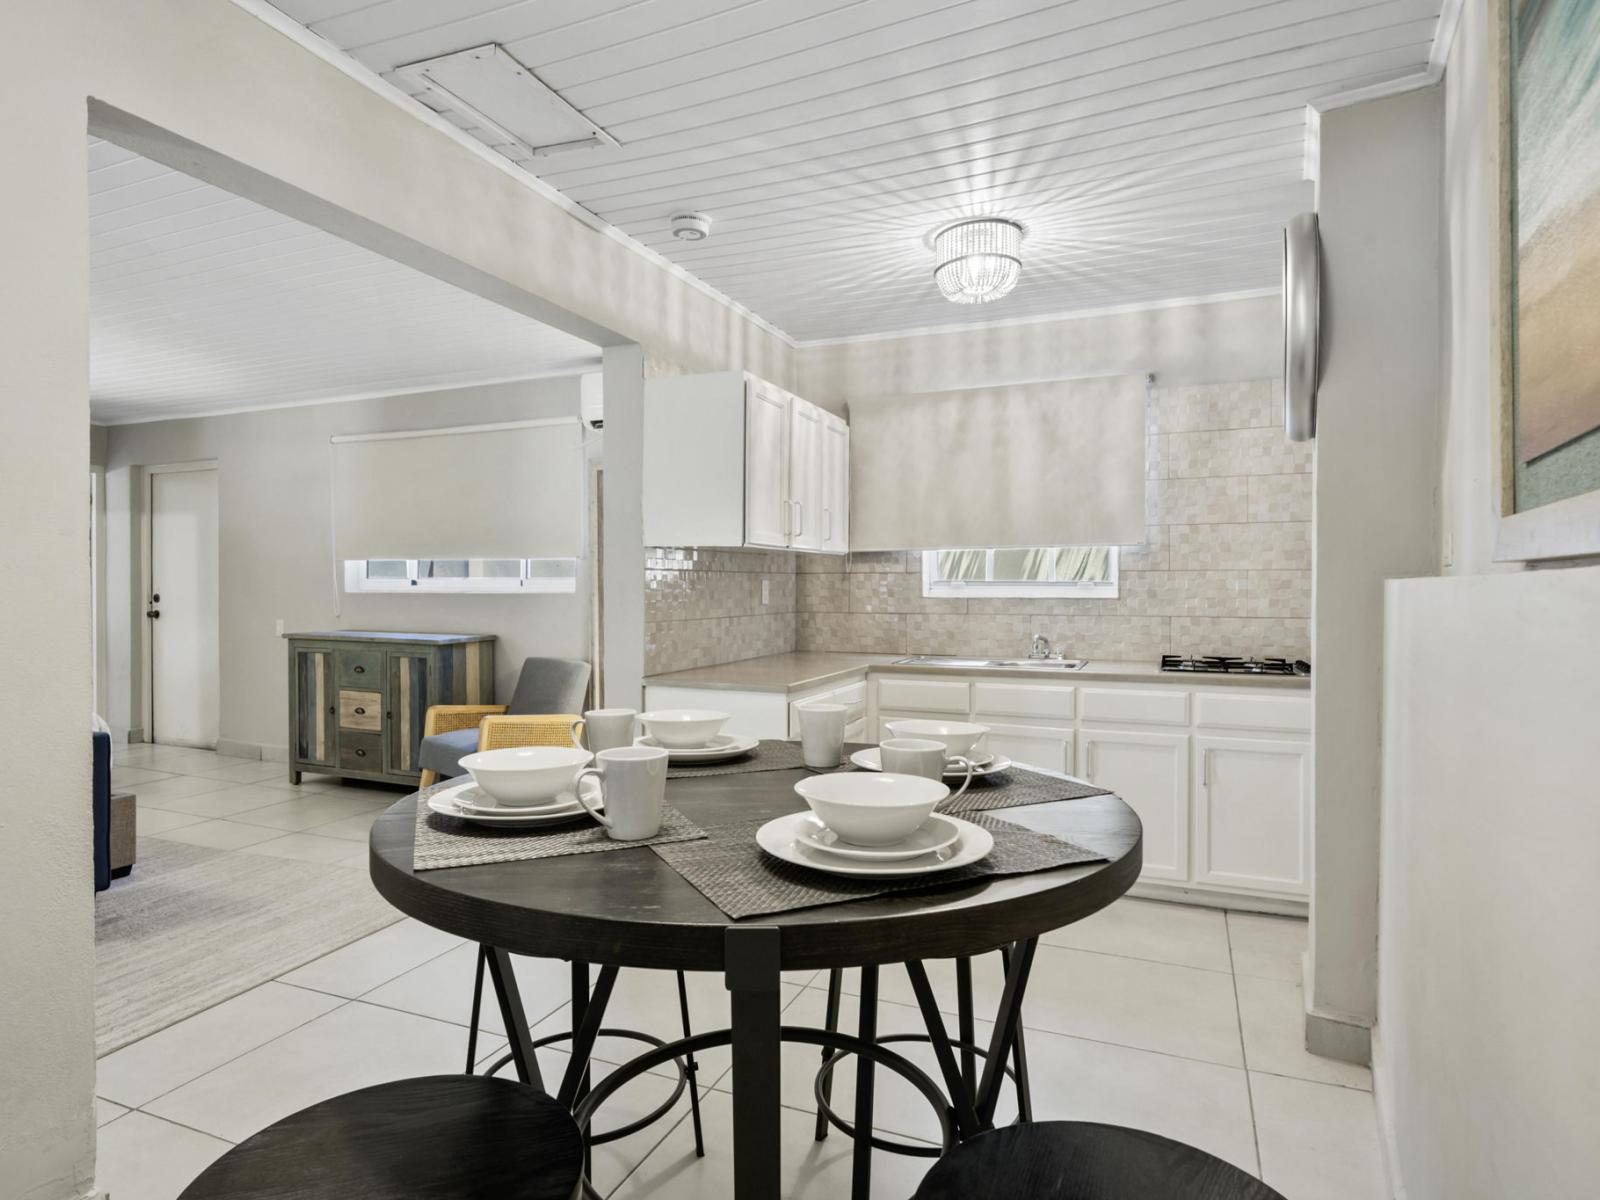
x,y
545,685
102,811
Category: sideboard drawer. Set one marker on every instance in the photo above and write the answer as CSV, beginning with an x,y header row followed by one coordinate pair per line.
x,y
360,710
360,667
361,751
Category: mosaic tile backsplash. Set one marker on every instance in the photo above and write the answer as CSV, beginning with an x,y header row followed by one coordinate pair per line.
x,y
1225,567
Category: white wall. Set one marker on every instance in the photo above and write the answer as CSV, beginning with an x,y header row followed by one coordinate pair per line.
x,y
274,474
1375,515
1487,1042
1214,342
46,866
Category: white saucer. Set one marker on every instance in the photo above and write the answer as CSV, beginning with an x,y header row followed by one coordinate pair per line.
x,y
871,760
724,745
778,838
453,802
937,833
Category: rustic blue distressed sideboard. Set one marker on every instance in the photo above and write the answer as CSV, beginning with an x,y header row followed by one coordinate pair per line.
x,y
357,699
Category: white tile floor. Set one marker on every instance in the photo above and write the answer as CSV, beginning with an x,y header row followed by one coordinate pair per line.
x,y
1181,1020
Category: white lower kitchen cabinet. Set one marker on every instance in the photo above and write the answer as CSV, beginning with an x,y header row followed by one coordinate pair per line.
x,y
1151,772
1219,775
1252,814
1033,745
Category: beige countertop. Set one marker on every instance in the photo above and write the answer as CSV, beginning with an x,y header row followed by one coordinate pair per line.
x,y
802,671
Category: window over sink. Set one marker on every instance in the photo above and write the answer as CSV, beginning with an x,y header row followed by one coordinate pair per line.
x,y
434,575
1045,572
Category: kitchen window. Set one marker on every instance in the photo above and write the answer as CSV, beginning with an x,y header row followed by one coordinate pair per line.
x,y
461,575
1053,572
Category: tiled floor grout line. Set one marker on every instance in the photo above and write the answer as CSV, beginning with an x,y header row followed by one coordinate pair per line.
x,y
1085,1038
220,1065
1238,1012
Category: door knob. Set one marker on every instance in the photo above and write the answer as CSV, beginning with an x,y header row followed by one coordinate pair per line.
x,y
152,613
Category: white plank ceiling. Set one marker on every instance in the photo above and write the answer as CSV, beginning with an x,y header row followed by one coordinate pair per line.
x,y
1152,148
202,301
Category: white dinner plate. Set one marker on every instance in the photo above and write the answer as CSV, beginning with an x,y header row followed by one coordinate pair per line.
x,y
456,802
871,760
937,833
778,838
724,745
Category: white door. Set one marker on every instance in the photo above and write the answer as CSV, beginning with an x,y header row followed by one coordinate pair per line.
x,y
1151,772
766,466
835,498
805,475
1252,817
182,611
1030,745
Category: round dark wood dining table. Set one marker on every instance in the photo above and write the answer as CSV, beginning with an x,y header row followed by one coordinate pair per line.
x,y
629,908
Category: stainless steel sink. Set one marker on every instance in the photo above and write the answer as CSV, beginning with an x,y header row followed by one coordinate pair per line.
x,y
1032,664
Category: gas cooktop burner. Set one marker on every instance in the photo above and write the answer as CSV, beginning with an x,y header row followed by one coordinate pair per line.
x,y
1228,665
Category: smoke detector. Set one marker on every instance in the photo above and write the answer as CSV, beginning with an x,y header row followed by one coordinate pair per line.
x,y
691,226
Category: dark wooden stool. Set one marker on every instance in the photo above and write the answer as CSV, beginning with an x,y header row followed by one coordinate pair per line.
x,y
1080,1160
442,1137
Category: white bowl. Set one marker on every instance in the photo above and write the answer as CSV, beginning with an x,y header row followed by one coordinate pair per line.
x,y
958,737
683,728
526,776
872,810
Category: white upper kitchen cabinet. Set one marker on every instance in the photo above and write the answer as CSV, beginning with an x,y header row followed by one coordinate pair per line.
x,y
805,475
835,484
732,460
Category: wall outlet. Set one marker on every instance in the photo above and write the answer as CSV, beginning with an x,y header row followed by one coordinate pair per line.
x,y
278,624
766,591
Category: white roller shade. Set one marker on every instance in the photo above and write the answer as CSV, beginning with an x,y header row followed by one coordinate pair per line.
x,y
486,491
1038,464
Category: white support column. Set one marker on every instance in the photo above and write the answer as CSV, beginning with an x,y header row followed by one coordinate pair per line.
x,y
622,568
1376,510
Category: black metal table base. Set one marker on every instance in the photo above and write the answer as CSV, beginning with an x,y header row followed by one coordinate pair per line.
x,y
972,1074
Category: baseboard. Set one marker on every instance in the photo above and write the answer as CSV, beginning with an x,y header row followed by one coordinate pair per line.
x,y
135,736
1388,1143
275,753
235,749
1177,893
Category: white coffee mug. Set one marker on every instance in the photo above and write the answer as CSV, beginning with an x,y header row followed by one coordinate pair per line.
x,y
919,756
605,729
822,734
631,781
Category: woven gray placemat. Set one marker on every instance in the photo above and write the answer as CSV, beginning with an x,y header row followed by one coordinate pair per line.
x,y
769,755
741,879
452,842
1014,788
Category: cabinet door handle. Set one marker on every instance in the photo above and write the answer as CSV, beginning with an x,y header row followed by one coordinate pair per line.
x,y
360,670
360,712
1205,768
799,518
827,524
1089,773
360,753
331,710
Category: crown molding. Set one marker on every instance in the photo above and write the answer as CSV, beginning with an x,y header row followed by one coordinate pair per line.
x,y
1444,38
1042,319
564,370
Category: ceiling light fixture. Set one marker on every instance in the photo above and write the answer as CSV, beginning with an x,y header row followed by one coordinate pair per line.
x,y
977,260
690,226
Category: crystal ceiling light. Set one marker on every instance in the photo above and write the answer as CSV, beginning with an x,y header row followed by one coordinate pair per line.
x,y
977,260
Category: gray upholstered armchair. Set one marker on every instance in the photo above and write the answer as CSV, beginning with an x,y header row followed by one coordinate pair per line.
x,y
549,697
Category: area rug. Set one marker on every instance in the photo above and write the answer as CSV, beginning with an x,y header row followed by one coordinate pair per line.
x,y
193,927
